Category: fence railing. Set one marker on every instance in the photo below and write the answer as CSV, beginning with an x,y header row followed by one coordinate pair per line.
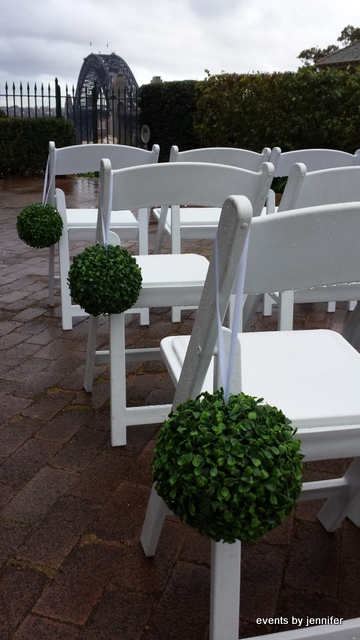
x,y
97,117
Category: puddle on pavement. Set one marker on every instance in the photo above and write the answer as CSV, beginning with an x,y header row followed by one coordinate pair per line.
x,y
16,193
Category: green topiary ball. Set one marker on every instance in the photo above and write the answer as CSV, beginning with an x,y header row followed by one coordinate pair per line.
x,y
105,280
230,469
39,225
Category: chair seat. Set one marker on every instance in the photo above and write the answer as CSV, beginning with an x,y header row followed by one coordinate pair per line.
x,y
196,222
194,216
276,365
81,224
174,277
88,217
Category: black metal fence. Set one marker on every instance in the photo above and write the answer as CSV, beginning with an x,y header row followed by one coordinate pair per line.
x,y
97,117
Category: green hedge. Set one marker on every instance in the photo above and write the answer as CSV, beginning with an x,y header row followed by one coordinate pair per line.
x,y
168,109
292,110
24,143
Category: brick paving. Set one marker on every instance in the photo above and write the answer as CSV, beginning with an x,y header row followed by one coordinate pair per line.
x,y
72,507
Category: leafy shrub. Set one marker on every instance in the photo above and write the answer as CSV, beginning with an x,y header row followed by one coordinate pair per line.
x,y
293,110
24,143
39,225
230,469
105,279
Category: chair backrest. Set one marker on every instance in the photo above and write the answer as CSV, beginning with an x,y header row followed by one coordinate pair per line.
x,y
180,183
242,158
83,158
304,248
327,186
314,160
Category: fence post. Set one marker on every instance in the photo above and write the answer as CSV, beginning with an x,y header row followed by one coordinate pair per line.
x,y
94,112
58,99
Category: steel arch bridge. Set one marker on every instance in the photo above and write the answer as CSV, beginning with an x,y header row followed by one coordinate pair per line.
x,y
106,90
100,70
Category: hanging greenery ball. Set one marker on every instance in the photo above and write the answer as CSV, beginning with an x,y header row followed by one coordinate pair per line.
x,y
39,225
230,469
105,280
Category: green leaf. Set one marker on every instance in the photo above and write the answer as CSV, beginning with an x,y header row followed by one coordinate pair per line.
x,y
256,462
197,460
174,478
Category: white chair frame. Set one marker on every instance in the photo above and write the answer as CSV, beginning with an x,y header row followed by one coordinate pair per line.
x,y
326,186
314,160
80,224
283,368
192,224
199,224
168,279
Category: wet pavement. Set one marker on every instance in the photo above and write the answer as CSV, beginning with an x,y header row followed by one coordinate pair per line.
x,y
72,507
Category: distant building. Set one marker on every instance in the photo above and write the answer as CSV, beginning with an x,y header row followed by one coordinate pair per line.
x,y
343,58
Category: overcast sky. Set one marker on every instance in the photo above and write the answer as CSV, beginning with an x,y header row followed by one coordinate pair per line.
x,y
174,39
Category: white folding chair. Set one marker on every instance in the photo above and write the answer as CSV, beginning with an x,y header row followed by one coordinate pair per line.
x,y
80,223
304,189
194,223
314,160
168,279
312,376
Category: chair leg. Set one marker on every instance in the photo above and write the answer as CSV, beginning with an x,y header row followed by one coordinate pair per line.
x,y
268,304
175,229
143,218
160,229
225,591
51,275
286,311
175,248
250,307
64,266
230,314
176,314
346,503
122,416
351,305
225,571
155,515
331,307
144,317
117,379
351,332
91,353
